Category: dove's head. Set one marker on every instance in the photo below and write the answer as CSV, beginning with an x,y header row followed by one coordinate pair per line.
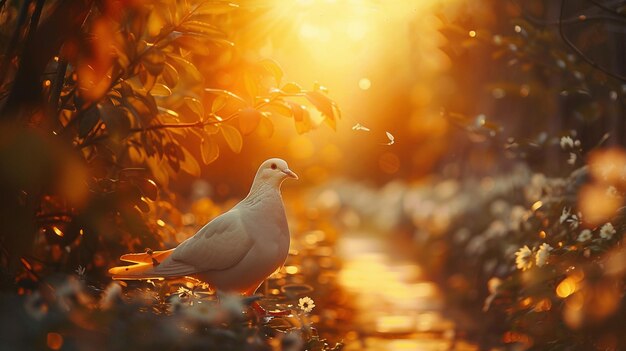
x,y
274,171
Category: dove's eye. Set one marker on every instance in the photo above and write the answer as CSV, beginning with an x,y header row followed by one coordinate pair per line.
x,y
273,166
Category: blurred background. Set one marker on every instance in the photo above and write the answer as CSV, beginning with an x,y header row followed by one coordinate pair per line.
x,y
462,169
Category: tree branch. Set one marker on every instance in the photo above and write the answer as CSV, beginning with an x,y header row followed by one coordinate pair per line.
x,y
579,52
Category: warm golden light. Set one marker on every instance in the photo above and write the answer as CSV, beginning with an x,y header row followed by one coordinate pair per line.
x,y
57,231
565,288
364,83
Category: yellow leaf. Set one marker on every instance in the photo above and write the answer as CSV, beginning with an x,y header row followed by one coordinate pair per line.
x,y
251,86
136,154
193,44
157,167
147,79
216,7
190,165
278,108
186,66
249,119
218,103
273,68
233,137
211,128
291,88
160,90
266,128
195,105
153,61
210,150
322,103
201,27
170,75
302,118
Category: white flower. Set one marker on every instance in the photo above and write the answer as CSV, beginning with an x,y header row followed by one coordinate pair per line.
x,y
607,231
184,292
575,220
306,304
584,236
542,254
567,142
80,270
564,215
523,258
572,158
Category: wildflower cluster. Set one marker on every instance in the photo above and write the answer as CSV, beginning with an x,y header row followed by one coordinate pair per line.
x,y
532,247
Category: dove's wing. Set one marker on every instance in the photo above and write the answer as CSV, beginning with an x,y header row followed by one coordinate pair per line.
x,y
220,244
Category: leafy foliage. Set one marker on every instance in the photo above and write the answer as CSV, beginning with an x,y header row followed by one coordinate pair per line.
x,y
129,97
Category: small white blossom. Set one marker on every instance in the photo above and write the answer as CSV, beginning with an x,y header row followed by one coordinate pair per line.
x,y
564,215
575,220
567,142
306,304
183,292
542,254
572,158
80,270
584,236
607,231
523,258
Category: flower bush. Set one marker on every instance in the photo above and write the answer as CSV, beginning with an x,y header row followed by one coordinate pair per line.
x,y
522,248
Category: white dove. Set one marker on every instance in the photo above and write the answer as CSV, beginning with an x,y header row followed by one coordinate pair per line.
x,y
234,252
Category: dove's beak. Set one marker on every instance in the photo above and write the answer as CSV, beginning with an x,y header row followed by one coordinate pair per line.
x,y
290,173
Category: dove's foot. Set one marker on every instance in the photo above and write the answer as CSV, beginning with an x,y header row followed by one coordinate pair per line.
x,y
263,313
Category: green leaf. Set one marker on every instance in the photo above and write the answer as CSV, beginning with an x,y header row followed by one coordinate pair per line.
x,y
89,120
209,149
249,119
233,137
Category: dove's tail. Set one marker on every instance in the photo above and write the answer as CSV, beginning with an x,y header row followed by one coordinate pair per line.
x,y
143,267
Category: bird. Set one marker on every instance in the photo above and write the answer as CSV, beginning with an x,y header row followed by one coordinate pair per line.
x,y
236,251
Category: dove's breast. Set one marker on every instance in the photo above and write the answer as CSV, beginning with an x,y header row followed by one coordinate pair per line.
x,y
266,225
